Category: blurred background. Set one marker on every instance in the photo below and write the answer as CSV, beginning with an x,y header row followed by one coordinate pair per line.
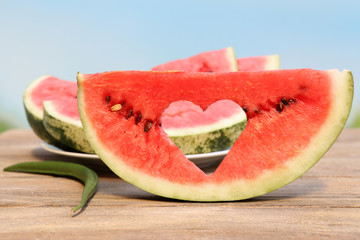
x,y
63,37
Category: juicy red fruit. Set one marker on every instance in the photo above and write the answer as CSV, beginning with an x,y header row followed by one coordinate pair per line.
x,y
266,137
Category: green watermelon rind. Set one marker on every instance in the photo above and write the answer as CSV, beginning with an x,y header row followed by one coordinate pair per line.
x,y
64,129
270,180
209,142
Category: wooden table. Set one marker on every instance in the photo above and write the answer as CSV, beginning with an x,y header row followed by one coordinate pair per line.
x,y
322,204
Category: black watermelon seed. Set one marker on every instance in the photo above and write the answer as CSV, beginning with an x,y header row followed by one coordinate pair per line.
x,y
285,101
129,114
279,107
245,109
107,99
138,118
147,126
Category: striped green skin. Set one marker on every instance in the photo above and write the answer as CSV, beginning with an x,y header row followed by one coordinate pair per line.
x,y
219,139
69,133
38,127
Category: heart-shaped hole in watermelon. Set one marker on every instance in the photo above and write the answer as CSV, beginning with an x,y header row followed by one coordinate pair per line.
x,y
197,131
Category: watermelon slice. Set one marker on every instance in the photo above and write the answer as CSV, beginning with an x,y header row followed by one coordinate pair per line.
x,y
259,63
196,131
294,116
222,60
62,121
46,88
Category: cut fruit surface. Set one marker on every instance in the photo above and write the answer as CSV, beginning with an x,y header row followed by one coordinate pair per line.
x,y
294,116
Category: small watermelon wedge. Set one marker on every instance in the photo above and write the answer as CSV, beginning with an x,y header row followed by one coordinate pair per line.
x,y
51,109
294,116
222,60
196,131
62,121
45,88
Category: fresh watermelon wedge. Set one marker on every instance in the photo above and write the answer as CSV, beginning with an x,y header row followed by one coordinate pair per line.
x,y
196,131
294,116
51,110
259,63
222,60
46,88
62,121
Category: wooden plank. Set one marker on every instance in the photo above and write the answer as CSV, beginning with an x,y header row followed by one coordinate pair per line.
x,y
324,203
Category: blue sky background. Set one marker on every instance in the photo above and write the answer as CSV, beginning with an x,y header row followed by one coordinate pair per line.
x,y
63,37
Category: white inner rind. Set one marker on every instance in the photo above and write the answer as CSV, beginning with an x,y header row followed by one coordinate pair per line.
x,y
272,62
342,94
231,55
236,118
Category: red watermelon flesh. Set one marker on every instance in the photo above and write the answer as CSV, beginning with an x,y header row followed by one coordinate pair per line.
x,y
67,107
52,88
293,118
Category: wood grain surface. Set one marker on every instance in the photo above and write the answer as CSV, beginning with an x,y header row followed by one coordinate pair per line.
x,y
322,204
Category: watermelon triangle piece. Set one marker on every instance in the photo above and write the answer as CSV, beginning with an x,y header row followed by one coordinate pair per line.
x,y
62,121
196,131
294,116
222,60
